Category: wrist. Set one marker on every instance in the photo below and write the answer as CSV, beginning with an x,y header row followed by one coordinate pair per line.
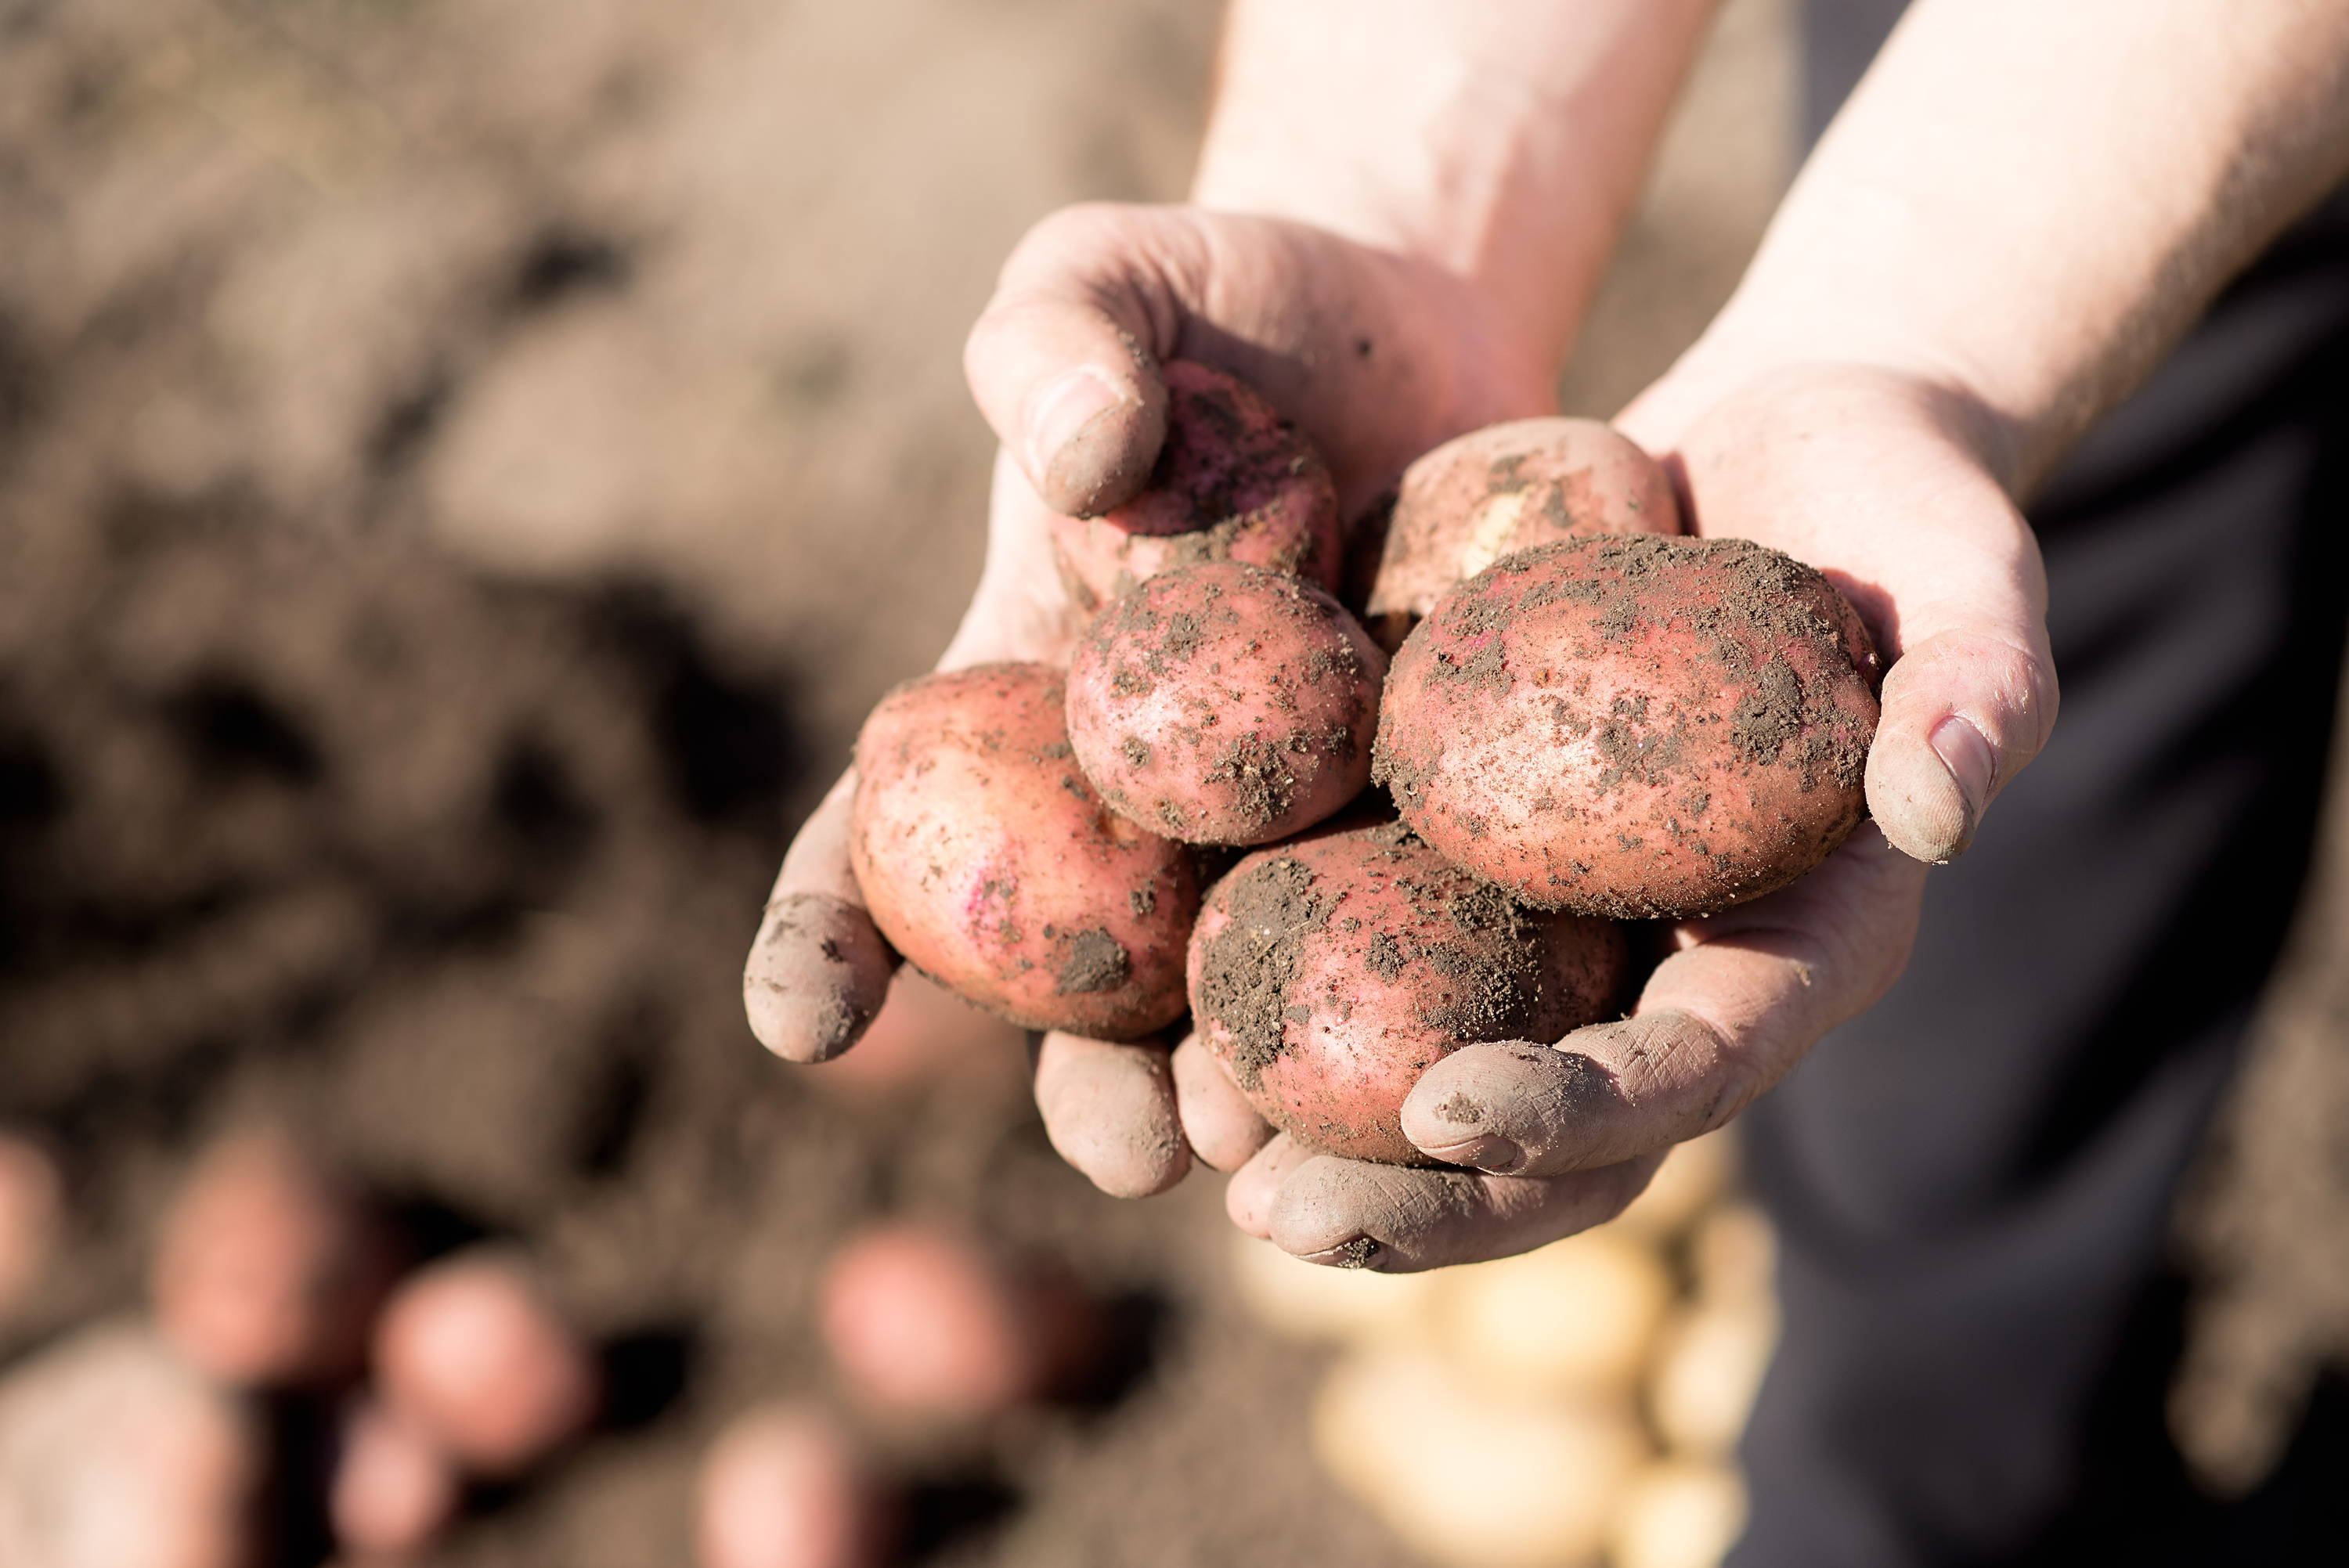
x,y
1501,143
1760,347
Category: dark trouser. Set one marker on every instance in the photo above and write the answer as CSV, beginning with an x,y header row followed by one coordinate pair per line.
x,y
1973,1181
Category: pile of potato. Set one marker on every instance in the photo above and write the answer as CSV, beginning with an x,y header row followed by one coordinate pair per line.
x,y
1579,718
1574,1405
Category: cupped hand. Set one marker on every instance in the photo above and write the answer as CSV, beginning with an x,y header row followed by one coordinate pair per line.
x,y
1375,355
1890,481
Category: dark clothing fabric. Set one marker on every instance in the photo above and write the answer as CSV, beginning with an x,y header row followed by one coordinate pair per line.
x,y
1973,1181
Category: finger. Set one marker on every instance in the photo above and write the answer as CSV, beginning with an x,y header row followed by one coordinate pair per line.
x,y
1063,362
1350,1214
1109,1110
1717,1023
1963,710
1255,1187
1225,1129
819,969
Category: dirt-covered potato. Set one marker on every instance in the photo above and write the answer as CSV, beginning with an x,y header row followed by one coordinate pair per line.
x,y
1634,726
1223,703
1504,489
990,863
1234,481
1329,974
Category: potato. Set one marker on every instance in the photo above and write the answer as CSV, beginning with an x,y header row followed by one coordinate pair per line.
x,y
1234,481
785,1486
1678,1514
1691,1180
1312,1301
471,1354
1714,1358
1504,489
925,1323
1223,703
993,867
32,1214
1633,726
114,1453
1327,973
269,1268
1576,1317
1469,1477
393,1489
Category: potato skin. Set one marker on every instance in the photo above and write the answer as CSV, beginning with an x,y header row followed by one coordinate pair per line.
x,y
1223,703
1634,726
990,862
1504,489
1235,482
1327,973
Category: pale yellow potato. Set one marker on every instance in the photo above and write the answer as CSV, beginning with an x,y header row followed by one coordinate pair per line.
x,y
1579,1316
1710,1369
1469,1478
1313,1302
1678,1514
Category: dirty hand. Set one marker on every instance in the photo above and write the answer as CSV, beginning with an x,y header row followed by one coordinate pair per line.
x,y
1548,1139
1375,356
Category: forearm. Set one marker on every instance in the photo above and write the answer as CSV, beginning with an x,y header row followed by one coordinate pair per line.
x,y
1502,139
2028,203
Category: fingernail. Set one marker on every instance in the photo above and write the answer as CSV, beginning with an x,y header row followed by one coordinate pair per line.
x,y
1061,409
1490,1153
1357,1254
1969,759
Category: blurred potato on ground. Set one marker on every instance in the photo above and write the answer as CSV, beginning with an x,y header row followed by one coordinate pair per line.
x,y
470,1352
1576,1317
269,1268
786,1486
32,1216
1313,1301
1469,1477
928,1324
114,1453
1678,1514
393,1490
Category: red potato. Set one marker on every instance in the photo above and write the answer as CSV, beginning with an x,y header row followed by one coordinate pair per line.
x,y
1234,481
393,1489
990,862
471,1354
785,1486
1223,703
1329,974
925,1323
269,1267
1504,489
32,1214
1634,726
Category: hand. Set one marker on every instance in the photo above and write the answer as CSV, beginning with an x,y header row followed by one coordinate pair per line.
x,y
1377,357
1891,483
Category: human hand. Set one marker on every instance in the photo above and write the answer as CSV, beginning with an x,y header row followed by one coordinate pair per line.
x,y
1892,483
1376,356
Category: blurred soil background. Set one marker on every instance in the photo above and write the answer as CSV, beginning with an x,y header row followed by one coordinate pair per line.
x,y
465,470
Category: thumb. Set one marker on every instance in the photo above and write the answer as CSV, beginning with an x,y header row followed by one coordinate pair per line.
x,y
1964,709
1064,361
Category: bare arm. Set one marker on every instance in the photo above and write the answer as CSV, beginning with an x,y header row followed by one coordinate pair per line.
x,y
2031,202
